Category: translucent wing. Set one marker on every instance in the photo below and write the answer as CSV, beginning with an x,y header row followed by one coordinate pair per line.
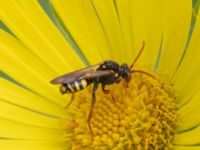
x,y
96,74
85,73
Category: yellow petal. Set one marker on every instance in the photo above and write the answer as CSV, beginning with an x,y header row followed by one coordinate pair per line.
x,y
146,26
36,31
186,147
189,114
125,29
10,144
28,116
192,104
106,11
124,11
190,137
16,130
82,23
24,74
187,77
176,27
96,29
20,96
16,48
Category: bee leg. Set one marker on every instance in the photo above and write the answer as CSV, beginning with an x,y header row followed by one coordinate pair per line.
x,y
92,107
108,92
118,81
72,98
125,85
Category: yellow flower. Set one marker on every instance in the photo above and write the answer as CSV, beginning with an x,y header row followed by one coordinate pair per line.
x,y
161,113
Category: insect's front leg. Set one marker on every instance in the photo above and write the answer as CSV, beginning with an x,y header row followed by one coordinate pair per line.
x,y
107,92
118,81
96,84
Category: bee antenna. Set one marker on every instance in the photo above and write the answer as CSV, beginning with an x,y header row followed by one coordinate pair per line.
x,y
138,55
144,72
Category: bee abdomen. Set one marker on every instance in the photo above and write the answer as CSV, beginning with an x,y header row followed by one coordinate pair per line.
x,y
73,86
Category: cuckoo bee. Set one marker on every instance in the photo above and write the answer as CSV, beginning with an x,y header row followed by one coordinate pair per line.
x,y
106,73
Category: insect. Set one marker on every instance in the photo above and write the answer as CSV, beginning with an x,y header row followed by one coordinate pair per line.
x,y
105,73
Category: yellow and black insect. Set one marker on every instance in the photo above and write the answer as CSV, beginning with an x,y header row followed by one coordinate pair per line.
x,y
105,73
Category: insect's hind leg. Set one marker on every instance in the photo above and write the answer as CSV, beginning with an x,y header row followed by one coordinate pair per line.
x,y
72,98
92,106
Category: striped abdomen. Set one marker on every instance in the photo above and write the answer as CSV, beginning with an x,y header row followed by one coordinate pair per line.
x,y
74,86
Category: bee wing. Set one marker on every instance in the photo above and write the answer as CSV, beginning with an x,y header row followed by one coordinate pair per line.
x,y
96,74
72,76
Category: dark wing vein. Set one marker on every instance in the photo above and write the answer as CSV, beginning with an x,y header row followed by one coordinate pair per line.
x,y
72,76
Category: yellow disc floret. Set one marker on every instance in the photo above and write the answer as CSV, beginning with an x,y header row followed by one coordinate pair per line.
x,y
142,117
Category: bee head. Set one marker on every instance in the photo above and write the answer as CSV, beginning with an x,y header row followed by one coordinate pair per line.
x,y
125,72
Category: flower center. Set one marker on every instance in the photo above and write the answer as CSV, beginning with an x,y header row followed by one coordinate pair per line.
x,y
142,117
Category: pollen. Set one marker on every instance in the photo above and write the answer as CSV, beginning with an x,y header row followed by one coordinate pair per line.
x,y
143,116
